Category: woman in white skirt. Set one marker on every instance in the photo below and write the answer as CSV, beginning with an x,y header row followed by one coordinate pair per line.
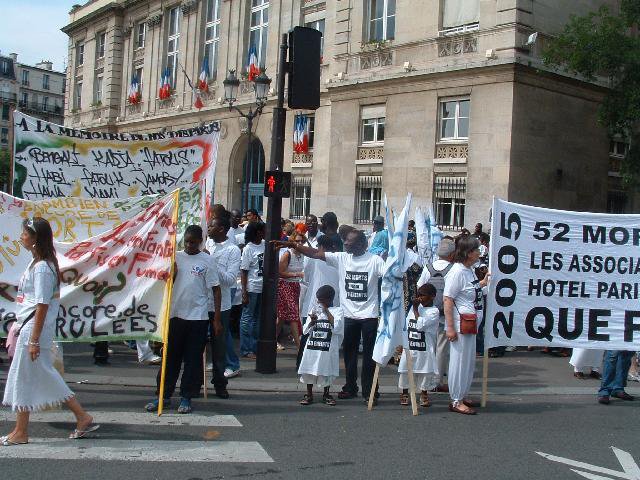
x,y
33,384
586,363
463,297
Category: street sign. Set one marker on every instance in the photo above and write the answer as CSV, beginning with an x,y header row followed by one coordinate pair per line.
x,y
277,184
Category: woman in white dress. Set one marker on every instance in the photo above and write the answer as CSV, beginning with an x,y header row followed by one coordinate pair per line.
x,y
586,363
33,384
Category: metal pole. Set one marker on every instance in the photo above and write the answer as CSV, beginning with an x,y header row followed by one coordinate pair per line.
x,y
266,354
248,158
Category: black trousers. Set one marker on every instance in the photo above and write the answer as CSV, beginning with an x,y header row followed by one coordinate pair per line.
x,y
354,328
101,351
187,339
218,345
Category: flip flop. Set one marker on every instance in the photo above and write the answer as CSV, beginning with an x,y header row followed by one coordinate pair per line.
x,y
78,434
6,442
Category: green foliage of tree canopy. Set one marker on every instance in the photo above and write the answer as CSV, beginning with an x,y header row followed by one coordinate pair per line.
x,y
5,165
606,44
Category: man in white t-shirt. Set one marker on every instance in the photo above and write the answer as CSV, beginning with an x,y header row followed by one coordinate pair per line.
x,y
358,273
236,232
227,256
437,272
311,222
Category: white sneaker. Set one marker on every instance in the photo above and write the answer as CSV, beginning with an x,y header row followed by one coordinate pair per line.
x,y
510,349
633,377
209,367
155,360
228,373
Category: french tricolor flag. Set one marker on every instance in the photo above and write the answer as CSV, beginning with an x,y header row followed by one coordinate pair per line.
x,y
253,68
203,79
134,95
165,85
301,134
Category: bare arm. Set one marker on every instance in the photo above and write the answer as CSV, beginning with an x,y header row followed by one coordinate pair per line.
x,y
448,318
217,323
244,276
284,265
38,323
303,249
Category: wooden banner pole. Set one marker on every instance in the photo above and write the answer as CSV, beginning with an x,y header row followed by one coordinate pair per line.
x,y
412,383
372,395
167,303
485,377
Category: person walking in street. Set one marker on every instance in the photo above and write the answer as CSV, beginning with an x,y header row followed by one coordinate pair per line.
x,y
227,256
291,268
379,241
251,266
359,272
463,310
195,275
33,384
614,376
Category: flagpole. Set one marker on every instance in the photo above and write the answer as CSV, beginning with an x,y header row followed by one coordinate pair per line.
x,y
167,301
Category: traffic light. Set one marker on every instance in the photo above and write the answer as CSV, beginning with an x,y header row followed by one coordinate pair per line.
x,y
277,184
304,71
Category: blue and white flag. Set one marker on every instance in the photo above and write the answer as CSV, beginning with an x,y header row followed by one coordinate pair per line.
x,y
428,235
391,329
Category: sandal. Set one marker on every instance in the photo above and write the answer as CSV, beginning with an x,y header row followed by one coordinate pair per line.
x,y
424,400
185,406
455,407
471,403
344,395
329,400
78,434
404,399
306,400
579,375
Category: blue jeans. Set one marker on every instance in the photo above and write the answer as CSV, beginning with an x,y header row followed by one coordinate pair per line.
x,y
249,324
615,370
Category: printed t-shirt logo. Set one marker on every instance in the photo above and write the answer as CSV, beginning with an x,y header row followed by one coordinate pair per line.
x,y
320,336
260,263
197,270
355,284
477,302
416,337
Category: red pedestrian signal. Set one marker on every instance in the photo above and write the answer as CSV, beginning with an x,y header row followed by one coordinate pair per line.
x,y
277,184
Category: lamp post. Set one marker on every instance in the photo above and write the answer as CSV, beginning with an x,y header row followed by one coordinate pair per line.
x,y
261,89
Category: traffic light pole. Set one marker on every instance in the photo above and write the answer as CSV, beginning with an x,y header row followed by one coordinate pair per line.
x,y
266,351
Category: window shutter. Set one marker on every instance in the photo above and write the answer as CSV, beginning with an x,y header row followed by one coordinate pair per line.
x,y
460,12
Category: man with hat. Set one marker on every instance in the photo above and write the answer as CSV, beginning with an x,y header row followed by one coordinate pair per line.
x,y
434,273
379,244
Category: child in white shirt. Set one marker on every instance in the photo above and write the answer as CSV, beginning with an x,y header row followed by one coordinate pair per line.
x,y
422,330
320,362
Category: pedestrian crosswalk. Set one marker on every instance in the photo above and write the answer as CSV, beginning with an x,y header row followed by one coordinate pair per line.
x,y
137,450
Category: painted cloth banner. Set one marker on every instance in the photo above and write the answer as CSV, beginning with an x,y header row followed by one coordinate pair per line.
x,y
564,279
391,328
428,235
53,161
76,219
114,285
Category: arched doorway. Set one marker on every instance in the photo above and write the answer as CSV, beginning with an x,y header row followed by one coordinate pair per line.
x,y
247,172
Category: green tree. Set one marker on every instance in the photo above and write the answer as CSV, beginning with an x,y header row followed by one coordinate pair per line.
x,y
605,44
5,167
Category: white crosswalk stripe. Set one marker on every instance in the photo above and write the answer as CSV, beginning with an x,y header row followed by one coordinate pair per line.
x,y
138,450
133,418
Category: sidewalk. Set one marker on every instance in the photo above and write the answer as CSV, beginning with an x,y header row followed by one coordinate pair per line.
x,y
517,373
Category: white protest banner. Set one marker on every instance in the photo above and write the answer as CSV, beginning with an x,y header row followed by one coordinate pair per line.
x,y
114,285
56,161
564,279
75,219
391,328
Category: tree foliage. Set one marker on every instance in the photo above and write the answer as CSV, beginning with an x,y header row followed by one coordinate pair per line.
x,y
5,161
606,44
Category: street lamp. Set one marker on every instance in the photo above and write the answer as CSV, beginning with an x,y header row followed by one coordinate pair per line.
x,y
261,90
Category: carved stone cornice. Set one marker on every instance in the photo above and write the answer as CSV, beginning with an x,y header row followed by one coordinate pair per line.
x,y
189,6
154,20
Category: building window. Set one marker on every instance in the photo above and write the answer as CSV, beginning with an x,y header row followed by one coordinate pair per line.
x,y
300,201
259,28
617,152
458,14
80,55
212,32
372,124
5,111
101,43
25,77
77,98
318,25
449,194
368,198
454,120
5,67
141,32
139,73
4,136
45,82
616,201
381,18
45,104
97,90
173,40
25,98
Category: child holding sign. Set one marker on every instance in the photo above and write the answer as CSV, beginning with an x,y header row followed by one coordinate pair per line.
x,y
320,360
422,330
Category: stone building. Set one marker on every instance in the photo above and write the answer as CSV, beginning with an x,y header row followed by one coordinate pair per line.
x,y
447,99
35,90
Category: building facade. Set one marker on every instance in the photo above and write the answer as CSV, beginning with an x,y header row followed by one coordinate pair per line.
x,y
41,90
8,102
447,99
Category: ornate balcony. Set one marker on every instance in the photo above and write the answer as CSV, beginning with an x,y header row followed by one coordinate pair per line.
x,y
373,154
452,153
300,160
457,45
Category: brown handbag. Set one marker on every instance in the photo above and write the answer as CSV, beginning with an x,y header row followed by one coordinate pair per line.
x,y
468,322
